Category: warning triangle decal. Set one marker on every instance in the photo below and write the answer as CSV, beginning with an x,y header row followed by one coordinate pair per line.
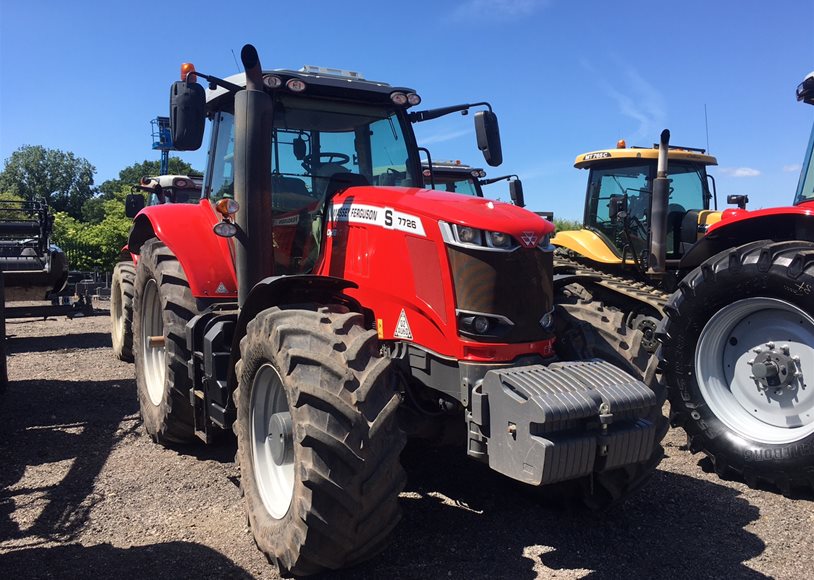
x,y
403,327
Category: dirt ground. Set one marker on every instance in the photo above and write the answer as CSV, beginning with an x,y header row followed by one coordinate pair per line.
x,y
84,493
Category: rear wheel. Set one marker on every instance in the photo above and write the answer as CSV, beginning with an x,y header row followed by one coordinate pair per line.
x,y
739,358
587,329
318,438
3,363
163,305
121,310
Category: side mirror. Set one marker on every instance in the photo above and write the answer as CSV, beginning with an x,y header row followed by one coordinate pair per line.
x,y
738,200
617,206
133,203
187,115
516,193
488,133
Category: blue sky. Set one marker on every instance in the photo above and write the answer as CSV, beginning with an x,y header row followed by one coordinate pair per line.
x,y
564,77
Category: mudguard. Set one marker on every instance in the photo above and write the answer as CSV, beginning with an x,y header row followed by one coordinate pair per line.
x,y
738,227
587,243
186,230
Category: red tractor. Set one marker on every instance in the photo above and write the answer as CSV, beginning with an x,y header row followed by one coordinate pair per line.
x,y
322,305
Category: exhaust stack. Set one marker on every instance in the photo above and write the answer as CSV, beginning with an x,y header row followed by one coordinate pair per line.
x,y
253,117
656,263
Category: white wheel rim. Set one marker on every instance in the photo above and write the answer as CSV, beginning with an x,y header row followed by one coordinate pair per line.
x,y
153,359
724,366
116,302
275,482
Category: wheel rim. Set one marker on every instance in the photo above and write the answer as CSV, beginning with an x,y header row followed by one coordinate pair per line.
x,y
152,324
271,441
116,312
754,362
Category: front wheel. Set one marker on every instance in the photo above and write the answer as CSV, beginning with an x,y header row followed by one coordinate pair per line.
x,y
739,358
163,305
318,439
121,310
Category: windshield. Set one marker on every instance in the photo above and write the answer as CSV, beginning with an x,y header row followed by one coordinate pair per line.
x,y
805,187
454,183
632,185
318,147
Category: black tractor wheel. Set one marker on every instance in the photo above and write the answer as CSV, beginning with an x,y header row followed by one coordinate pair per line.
x,y
318,438
585,330
739,360
3,363
163,304
121,310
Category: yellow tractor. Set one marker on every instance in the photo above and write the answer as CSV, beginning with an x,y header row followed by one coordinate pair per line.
x,y
614,246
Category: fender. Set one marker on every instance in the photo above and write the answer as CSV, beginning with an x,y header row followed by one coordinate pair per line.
x,y
187,230
587,243
298,289
738,227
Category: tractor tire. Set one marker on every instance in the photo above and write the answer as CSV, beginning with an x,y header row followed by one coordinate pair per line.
x,y
3,361
121,310
163,304
318,438
587,329
751,411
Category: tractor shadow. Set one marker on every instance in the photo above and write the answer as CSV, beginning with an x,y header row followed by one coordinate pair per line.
x,y
21,344
169,559
463,521
63,432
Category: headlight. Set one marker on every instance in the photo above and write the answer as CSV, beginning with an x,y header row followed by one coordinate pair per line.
x,y
469,235
500,240
225,229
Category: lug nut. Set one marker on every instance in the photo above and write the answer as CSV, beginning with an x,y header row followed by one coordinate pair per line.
x,y
750,362
770,345
785,349
757,350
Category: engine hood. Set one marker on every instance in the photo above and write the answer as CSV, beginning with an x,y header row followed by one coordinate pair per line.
x,y
433,205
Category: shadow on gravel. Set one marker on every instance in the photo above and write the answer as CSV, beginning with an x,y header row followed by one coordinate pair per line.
x,y
76,423
168,560
19,344
676,526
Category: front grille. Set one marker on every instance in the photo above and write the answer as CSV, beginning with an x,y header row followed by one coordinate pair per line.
x,y
517,285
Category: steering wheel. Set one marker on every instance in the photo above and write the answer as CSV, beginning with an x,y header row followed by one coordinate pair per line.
x,y
323,158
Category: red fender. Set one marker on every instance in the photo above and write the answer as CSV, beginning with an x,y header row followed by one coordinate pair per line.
x,y
186,229
738,227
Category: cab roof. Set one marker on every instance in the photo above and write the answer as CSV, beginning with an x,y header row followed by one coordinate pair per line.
x,y
317,84
604,156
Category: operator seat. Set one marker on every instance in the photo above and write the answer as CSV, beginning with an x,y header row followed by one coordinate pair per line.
x,y
342,180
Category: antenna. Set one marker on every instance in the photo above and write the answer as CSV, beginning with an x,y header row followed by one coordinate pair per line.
x,y
706,125
234,57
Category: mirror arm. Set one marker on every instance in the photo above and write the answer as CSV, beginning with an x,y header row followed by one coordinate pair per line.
x,y
218,82
492,180
429,114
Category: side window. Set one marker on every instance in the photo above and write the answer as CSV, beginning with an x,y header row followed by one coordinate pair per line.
x,y
388,154
223,176
686,188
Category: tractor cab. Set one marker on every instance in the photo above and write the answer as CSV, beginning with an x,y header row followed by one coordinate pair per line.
x,y
618,199
453,176
805,187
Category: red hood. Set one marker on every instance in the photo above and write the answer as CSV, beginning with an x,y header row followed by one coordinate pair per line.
x,y
731,216
454,208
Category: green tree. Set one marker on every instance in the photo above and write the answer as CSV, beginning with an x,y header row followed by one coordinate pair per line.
x,y
567,225
133,174
94,246
64,180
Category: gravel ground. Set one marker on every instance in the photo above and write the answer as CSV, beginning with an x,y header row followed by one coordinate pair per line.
x,y
84,493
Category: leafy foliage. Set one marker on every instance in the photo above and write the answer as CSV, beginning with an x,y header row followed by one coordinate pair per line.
x,y
567,225
94,246
64,180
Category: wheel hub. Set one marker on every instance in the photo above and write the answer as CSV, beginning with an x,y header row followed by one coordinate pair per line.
x,y
773,369
281,438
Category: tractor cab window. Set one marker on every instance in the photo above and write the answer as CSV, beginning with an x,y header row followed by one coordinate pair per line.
x,y
606,187
220,179
805,187
454,184
687,187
